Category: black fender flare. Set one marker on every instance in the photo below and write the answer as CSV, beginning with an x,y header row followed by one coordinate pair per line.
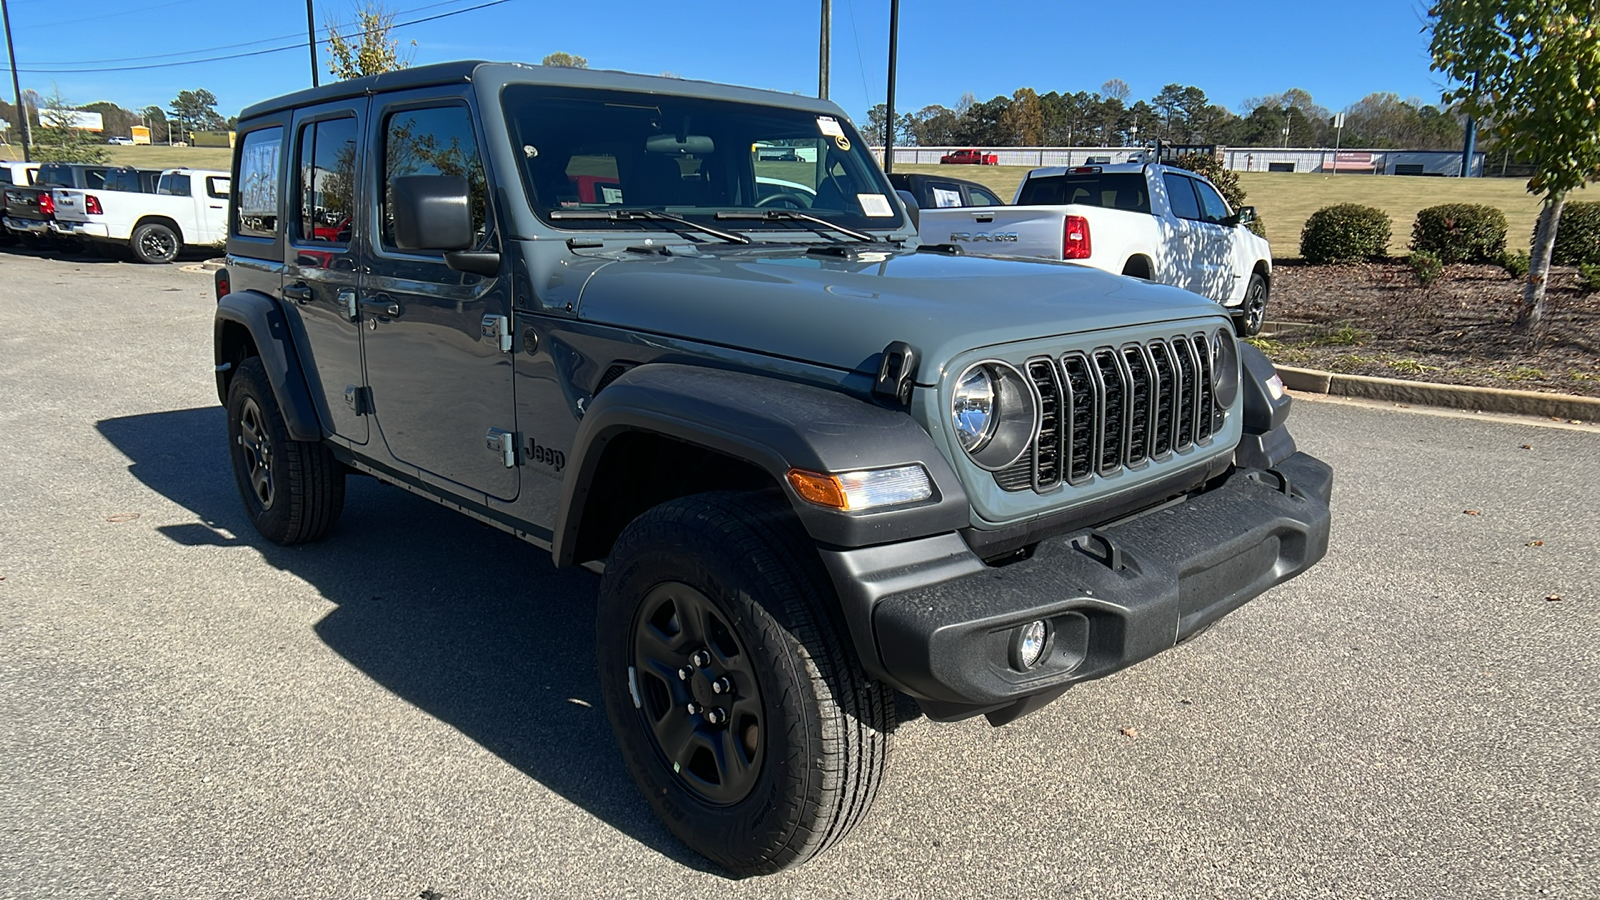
x,y
261,316
774,425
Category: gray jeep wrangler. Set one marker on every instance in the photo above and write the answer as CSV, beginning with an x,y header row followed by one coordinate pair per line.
x,y
684,334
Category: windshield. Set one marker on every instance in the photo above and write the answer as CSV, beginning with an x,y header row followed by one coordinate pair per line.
x,y
694,158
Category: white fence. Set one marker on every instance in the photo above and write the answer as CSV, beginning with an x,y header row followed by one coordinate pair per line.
x,y
1323,160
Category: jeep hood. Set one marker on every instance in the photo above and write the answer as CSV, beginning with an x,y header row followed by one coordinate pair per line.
x,y
842,311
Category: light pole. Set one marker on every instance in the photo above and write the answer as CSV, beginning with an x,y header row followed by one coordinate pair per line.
x,y
824,52
1286,126
311,40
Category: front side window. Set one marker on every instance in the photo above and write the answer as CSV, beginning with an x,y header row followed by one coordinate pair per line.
x,y
433,141
1180,193
1212,207
255,207
588,154
326,181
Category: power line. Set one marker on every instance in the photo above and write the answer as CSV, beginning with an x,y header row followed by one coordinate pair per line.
x,y
280,37
229,56
91,19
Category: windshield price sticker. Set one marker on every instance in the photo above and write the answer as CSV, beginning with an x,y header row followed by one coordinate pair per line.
x,y
875,205
830,126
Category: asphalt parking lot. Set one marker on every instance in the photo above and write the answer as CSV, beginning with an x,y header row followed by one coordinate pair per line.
x,y
409,709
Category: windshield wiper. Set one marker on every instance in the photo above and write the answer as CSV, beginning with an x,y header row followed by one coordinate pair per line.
x,y
789,215
651,215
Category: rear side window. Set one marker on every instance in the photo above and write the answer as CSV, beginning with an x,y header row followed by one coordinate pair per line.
x,y
217,187
981,197
1112,190
1180,193
327,180
256,206
174,185
436,141
55,176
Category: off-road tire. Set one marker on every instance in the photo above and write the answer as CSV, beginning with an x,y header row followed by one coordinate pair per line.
x,y
1253,311
154,242
303,493
823,724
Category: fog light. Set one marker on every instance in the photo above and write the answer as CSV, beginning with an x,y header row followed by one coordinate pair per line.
x,y
1030,644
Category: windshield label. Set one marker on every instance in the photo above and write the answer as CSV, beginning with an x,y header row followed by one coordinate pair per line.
x,y
830,126
875,205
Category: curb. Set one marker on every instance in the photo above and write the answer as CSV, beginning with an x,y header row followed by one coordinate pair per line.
x,y
211,265
1452,396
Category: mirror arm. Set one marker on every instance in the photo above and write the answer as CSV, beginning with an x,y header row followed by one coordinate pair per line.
x,y
474,262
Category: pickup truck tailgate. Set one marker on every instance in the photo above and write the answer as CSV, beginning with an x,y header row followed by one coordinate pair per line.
x,y
69,205
996,230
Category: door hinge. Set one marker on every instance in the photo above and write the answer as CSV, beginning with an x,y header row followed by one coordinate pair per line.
x,y
359,399
347,302
505,443
498,329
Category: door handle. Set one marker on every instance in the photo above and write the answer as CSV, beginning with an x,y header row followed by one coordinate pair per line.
x,y
299,292
381,306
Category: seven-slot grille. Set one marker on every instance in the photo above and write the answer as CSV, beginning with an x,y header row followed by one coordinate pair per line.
x,y
1114,407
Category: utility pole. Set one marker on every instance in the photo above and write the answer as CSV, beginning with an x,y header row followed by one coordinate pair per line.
x,y
11,54
888,128
824,50
311,40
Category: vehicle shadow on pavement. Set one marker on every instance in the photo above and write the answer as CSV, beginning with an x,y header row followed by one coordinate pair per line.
x,y
469,624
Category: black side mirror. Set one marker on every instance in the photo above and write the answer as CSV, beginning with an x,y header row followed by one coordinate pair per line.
x,y
432,212
1243,216
912,210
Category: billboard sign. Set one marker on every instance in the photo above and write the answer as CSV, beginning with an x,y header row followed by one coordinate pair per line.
x,y
72,118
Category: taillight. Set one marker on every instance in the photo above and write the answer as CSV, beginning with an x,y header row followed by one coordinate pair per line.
x,y
1075,238
222,284
91,204
47,204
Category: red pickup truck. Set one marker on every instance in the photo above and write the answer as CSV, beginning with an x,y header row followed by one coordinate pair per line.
x,y
969,158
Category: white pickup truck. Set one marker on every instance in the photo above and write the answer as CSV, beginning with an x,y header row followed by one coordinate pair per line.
x,y
1151,221
189,207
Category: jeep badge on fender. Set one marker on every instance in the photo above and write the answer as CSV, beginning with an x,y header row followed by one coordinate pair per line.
x,y
830,477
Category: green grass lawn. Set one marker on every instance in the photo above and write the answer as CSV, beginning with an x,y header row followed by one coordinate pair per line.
x,y
155,156
1285,201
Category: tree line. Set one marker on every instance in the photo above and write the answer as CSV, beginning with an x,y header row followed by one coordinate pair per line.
x,y
1180,114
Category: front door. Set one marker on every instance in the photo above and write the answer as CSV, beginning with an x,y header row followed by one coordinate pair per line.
x,y
321,272
1218,267
440,374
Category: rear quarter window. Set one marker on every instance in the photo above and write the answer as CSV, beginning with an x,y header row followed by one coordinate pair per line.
x,y
255,204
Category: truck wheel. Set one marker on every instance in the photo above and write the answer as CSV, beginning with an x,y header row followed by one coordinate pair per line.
x,y
293,491
739,708
1253,312
154,242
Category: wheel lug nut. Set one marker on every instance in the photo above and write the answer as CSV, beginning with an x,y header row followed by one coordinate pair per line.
x,y
716,717
694,708
684,673
701,658
721,686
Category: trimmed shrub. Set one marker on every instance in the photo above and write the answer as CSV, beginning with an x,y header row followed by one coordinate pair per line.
x,y
1426,265
1347,232
1589,277
1516,263
1577,234
1460,232
1258,226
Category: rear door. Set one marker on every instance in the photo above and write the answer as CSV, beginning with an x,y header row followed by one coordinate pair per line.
x,y
321,276
440,378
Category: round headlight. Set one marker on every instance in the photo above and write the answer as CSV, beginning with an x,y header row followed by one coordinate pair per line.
x,y
973,409
995,413
1224,367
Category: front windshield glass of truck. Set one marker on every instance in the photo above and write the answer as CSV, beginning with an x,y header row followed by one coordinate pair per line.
x,y
1112,190
589,150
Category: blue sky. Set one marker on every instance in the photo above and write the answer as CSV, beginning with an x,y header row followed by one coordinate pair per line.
x,y
1339,52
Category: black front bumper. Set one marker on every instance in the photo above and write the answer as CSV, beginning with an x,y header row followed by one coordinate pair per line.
x,y
942,626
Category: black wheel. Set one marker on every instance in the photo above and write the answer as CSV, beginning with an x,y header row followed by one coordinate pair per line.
x,y
154,242
1253,312
740,710
293,491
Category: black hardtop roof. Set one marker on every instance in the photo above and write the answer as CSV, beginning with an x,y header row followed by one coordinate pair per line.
x,y
497,74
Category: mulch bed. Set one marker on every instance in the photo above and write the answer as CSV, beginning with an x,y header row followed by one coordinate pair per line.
x,y
1376,319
